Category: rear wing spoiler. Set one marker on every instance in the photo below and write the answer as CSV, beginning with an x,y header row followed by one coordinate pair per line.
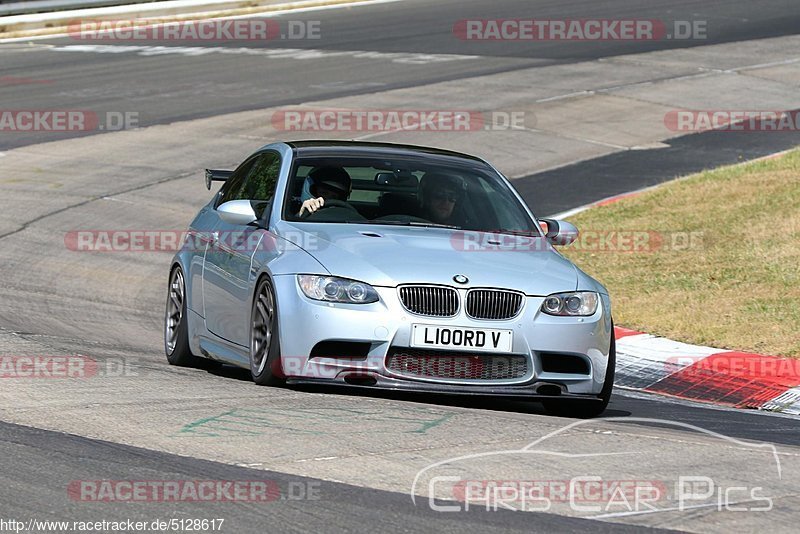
x,y
213,175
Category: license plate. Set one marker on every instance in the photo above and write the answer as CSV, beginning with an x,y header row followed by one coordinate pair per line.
x,y
460,338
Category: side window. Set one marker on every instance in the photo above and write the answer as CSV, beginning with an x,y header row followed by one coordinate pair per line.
x,y
232,188
263,177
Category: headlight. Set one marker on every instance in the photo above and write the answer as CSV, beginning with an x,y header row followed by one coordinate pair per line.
x,y
571,304
333,289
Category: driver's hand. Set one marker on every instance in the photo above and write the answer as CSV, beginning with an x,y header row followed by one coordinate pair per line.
x,y
311,205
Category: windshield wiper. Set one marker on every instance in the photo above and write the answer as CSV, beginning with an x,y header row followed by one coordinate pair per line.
x,y
414,223
433,225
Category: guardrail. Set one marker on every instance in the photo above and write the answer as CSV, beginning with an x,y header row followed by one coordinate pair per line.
x,y
14,7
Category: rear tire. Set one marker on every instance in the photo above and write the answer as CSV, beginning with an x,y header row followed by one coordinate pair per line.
x,y
176,329
265,350
588,409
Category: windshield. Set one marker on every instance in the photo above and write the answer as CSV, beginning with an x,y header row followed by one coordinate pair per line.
x,y
405,192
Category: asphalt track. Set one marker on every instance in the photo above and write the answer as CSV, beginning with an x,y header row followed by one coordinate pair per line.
x,y
32,456
164,87
37,464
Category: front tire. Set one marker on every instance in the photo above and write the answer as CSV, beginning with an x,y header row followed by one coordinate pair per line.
x,y
176,329
265,351
588,409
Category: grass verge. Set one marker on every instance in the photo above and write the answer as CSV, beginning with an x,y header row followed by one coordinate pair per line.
x,y
711,259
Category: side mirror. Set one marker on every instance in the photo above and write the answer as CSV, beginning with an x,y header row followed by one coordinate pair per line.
x,y
559,232
238,212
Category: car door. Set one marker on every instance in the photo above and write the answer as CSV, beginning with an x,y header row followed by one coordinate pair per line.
x,y
228,259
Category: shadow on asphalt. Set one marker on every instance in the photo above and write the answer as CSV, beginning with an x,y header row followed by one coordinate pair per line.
x,y
460,401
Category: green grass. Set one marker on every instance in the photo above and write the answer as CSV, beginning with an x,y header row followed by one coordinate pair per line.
x,y
738,287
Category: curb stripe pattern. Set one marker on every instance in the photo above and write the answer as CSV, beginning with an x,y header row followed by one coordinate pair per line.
x,y
729,378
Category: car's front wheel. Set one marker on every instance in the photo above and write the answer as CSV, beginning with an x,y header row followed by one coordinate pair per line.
x,y
265,351
176,331
588,409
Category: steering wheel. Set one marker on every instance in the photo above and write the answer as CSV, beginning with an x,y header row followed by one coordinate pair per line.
x,y
331,203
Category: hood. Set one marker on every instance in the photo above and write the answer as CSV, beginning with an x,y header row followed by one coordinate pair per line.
x,y
392,255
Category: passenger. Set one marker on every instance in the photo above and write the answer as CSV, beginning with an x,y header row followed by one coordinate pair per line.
x,y
441,197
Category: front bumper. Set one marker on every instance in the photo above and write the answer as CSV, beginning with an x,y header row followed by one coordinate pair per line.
x,y
392,384
386,324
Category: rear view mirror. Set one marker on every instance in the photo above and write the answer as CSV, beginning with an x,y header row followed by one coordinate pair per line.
x,y
401,179
559,232
384,178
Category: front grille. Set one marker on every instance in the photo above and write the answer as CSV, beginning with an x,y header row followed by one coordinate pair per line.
x,y
493,304
430,300
444,364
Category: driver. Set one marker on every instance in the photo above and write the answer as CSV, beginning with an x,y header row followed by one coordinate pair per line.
x,y
327,183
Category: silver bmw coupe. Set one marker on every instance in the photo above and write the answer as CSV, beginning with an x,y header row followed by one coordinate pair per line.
x,y
388,266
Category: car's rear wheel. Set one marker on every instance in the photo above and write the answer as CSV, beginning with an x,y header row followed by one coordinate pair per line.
x,y
265,352
176,331
588,409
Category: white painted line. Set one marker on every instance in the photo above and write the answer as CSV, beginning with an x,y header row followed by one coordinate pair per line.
x,y
409,58
661,349
314,8
137,9
768,157
118,200
579,209
201,16
765,65
565,95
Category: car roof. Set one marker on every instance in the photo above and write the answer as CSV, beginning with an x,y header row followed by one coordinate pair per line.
x,y
367,148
